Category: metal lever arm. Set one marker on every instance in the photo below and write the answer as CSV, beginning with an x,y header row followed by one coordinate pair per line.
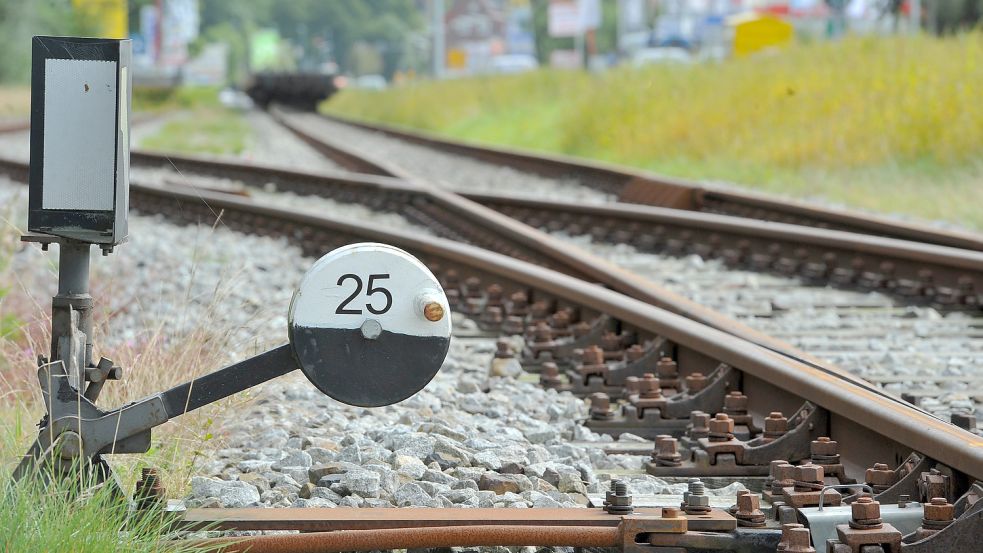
x,y
227,381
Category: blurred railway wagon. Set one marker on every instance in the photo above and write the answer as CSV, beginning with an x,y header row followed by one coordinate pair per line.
x,y
299,90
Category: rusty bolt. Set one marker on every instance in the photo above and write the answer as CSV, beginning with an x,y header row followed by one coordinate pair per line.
x,y
809,473
699,421
696,382
581,329
634,352
592,355
749,509
880,475
513,325
784,477
540,310
786,528
600,406
670,512
776,425
721,427
648,387
503,349
632,384
148,491
611,341
494,293
667,451
735,402
865,509
939,510
823,446
472,287
560,320
542,333
799,541
549,377
666,368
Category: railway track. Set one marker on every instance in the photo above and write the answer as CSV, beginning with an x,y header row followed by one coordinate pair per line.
x,y
560,314
802,259
801,402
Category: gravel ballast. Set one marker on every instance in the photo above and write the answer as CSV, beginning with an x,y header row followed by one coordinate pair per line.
x,y
872,335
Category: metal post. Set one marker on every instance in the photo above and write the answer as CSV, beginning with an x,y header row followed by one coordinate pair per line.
x,y
71,311
437,27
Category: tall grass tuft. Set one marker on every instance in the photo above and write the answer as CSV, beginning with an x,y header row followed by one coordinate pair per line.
x,y
75,514
893,123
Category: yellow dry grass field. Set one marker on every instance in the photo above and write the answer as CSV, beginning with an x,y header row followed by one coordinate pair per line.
x,y
891,124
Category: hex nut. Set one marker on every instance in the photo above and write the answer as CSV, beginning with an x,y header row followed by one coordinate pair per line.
x,y
824,446
939,509
693,500
775,422
865,508
592,355
735,401
721,424
748,502
809,473
880,475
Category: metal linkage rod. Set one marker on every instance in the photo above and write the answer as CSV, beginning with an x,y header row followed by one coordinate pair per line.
x,y
419,538
232,379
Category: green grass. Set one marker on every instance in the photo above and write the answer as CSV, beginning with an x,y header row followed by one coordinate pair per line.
x,y
154,99
71,514
892,124
215,130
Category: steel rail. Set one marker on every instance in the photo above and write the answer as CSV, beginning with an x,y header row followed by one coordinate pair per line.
x,y
643,187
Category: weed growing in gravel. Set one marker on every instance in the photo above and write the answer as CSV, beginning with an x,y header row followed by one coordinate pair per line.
x,y
887,123
54,516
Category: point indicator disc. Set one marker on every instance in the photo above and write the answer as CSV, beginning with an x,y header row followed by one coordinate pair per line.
x,y
369,325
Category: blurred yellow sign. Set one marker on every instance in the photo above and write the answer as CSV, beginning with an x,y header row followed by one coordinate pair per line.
x,y
457,59
753,32
109,16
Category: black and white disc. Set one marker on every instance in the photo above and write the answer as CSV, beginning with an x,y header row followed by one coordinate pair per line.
x,y
369,325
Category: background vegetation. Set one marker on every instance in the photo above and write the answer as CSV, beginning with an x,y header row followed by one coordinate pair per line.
x,y
887,123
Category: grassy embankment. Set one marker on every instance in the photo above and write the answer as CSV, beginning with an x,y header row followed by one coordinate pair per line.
x,y
892,124
203,126
48,517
